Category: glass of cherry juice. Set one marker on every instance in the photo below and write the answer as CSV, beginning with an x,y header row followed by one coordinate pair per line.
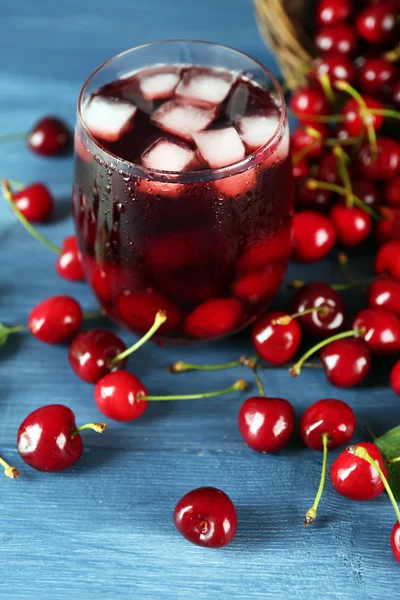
x,y
183,188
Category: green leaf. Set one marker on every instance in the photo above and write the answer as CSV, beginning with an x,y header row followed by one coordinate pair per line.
x,y
389,446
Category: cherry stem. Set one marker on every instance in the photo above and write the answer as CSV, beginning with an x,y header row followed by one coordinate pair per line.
x,y
350,141
288,318
259,383
11,137
180,366
318,118
297,284
326,85
296,368
344,265
362,453
304,151
314,184
385,112
9,471
160,318
311,514
342,160
6,331
7,193
16,184
392,55
393,460
239,385
365,113
97,427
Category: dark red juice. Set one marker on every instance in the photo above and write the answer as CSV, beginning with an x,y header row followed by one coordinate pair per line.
x,y
183,199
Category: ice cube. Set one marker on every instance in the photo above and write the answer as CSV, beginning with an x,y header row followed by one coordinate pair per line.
x,y
155,85
220,147
280,152
238,101
182,120
256,130
168,155
205,86
108,118
237,185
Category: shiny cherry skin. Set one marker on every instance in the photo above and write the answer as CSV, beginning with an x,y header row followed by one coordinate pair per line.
x,y
395,378
206,517
376,23
44,439
328,168
346,362
354,123
276,344
69,263
336,66
333,11
302,139
354,478
138,310
387,260
56,319
388,228
266,424
387,164
214,318
376,76
391,192
49,137
314,236
395,541
300,169
117,395
263,285
316,294
308,102
382,330
385,293
90,353
366,191
352,224
330,416
339,38
311,199
35,202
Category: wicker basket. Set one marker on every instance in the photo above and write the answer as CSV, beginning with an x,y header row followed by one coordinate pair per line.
x,y
287,27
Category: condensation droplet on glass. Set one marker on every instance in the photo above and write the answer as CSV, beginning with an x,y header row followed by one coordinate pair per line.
x,y
98,159
108,188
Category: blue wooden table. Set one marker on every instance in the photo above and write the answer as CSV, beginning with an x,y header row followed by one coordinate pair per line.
x,y
104,529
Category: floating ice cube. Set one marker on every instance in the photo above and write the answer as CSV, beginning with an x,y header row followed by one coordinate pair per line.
x,y
167,155
155,85
108,118
205,86
182,120
238,101
220,147
256,130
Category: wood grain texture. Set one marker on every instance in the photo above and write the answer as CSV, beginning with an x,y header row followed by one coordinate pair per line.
x,y
104,529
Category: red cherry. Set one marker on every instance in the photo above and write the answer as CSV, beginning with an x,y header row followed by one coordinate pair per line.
x,y
276,344
138,310
56,319
366,191
206,517
339,38
49,137
336,66
395,378
69,262
333,11
328,168
266,251
117,396
387,163
330,416
308,102
376,76
266,424
376,23
354,477
106,281
313,236
315,295
48,439
385,293
352,224
214,318
300,169
346,362
354,122
303,137
259,286
91,351
306,197
387,260
395,541
382,330
388,228
35,202
391,191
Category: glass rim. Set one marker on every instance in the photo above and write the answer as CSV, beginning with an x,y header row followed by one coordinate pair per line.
x,y
193,175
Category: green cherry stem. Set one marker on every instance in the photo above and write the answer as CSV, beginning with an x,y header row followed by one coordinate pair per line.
x,y
181,367
239,385
343,261
11,137
350,141
342,159
385,112
362,453
296,368
326,85
304,152
96,314
324,310
314,184
8,195
259,383
5,332
311,514
9,471
339,287
160,318
318,118
97,427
